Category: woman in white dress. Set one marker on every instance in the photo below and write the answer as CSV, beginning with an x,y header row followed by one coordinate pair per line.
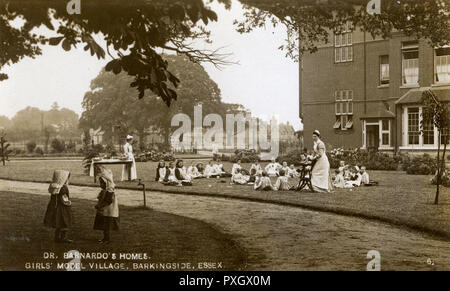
x,y
320,175
128,151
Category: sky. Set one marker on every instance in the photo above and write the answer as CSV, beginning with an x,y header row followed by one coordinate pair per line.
x,y
264,80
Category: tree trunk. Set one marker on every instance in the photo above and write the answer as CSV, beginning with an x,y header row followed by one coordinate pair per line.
x,y
3,151
142,135
438,180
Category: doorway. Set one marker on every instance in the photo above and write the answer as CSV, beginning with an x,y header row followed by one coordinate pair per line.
x,y
372,136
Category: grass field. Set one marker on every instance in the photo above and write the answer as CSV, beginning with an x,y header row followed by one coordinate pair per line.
x,y
400,199
142,231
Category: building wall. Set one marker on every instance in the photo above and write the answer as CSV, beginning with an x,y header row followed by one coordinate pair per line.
x,y
321,76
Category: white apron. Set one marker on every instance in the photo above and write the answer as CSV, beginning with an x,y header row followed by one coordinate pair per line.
x,y
128,150
321,180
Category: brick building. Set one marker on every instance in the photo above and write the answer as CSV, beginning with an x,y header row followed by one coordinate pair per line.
x,y
363,92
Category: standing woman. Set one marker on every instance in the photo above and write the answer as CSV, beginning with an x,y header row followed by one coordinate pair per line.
x,y
107,217
320,175
59,212
128,151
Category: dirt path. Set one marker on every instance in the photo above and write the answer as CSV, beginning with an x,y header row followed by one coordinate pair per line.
x,y
288,238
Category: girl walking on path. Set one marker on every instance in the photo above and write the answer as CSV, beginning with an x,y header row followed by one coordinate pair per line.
x,y
59,213
107,217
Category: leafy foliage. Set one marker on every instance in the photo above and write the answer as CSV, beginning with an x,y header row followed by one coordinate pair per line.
x,y
31,145
437,113
110,103
58,145
309,22
4,147
246,156
419,165
291,157
372,160
132,30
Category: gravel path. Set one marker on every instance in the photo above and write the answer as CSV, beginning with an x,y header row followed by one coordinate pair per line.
x,y
288,238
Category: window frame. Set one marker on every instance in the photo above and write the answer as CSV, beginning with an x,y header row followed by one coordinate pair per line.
x,y
435,73
407,47
421,145
388,80
340,47
343,109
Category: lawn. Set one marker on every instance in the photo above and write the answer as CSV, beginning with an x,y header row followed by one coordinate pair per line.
x,y
400,199
24,240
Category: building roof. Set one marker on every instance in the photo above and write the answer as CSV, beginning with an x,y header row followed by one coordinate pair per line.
x,y
415,95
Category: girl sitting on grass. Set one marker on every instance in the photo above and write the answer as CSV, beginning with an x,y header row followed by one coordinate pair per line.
x,y
282,183
210,170
355,178
107,217
193,171
257,167
181,174
170,179
263,183
59,212
239,178
339,181
160,171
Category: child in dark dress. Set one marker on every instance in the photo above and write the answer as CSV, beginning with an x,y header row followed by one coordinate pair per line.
x,y
107,217
59,213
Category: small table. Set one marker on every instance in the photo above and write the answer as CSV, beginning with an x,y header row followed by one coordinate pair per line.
x,y
305,176
93,173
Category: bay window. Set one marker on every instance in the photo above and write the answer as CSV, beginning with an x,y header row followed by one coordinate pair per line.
x,y
413,126
419,133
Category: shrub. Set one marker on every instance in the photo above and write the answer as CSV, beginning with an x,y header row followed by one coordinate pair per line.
x,y
31,145
372,160
89,154
246,156
39,151
421,165
98,148
58,146
17,151
110,150
292,157
155,156
71,147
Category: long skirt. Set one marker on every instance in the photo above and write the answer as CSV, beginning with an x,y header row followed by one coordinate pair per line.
x,y
58,215
125,171
106,223
320,175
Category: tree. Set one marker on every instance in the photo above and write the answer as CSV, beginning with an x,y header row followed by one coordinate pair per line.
x,y
58,145
4,145
26,124
32,123
110,102
5,122
437,113
132,30
309,22
31,145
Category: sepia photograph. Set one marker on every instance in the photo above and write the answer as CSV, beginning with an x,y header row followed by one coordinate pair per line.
x,y
187,136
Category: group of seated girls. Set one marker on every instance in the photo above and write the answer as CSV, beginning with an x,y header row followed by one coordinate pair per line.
x,y
347,176
178,175
261,178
